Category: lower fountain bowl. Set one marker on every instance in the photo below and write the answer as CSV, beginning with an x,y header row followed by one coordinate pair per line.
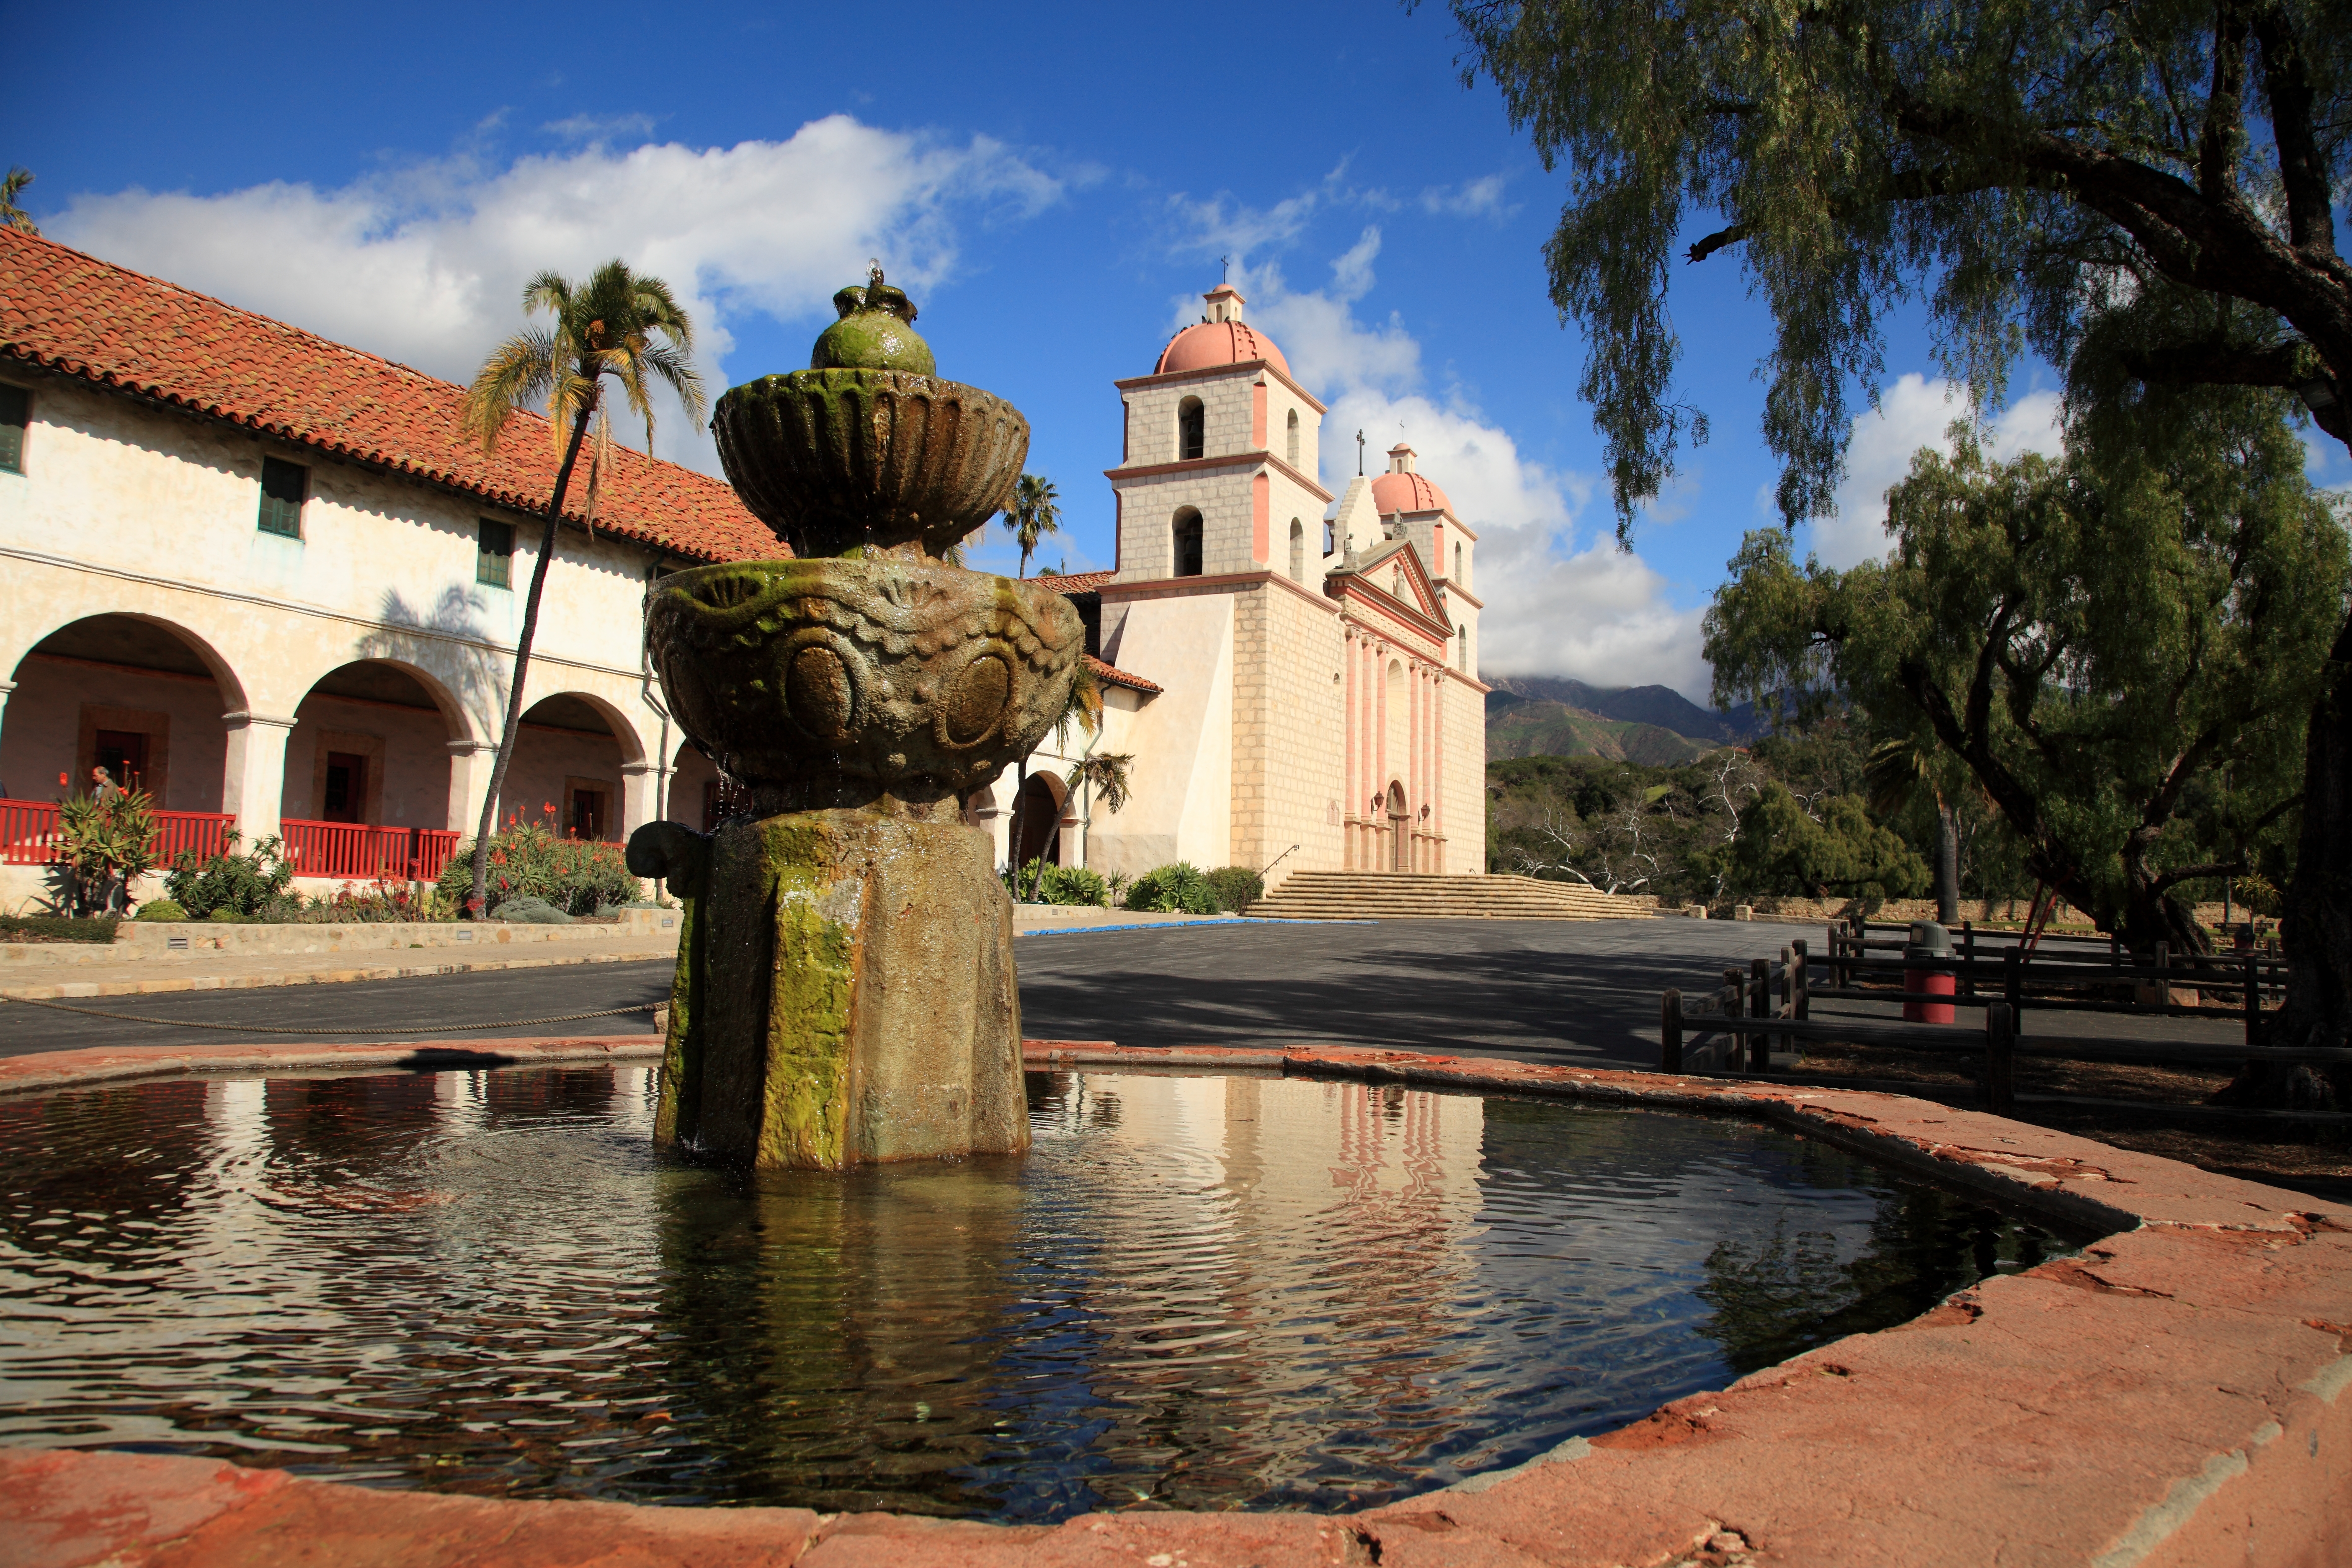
x,y
913,678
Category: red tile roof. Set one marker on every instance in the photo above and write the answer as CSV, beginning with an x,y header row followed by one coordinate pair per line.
x,y
65,311
1118,677
1075,582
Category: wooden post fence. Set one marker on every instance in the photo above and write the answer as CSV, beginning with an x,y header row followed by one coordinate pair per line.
x,y
2001,1059
1670,1031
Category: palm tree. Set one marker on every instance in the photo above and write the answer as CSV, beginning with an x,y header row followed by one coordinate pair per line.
x,y
12,187
607,326
1894,769
1036,512
1108,775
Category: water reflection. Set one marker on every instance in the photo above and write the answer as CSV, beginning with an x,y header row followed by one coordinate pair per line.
x,y
1194,1292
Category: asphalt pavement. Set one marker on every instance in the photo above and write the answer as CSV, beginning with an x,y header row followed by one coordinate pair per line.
x,y
1535,990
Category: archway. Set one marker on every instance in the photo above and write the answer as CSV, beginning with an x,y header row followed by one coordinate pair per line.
x,y
1400,829
371,747
142,698
1184,534
1192,429
566,771
365,790
1037,819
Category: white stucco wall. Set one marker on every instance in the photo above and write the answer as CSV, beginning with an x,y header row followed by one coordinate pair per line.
x,y
125,508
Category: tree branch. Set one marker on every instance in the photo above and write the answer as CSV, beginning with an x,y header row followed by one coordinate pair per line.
x,y
2303,170
2217,144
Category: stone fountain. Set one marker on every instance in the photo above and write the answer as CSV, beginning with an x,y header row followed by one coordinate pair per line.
x,y
845,991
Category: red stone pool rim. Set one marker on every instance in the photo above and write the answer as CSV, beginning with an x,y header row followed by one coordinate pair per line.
x,y
2175,1394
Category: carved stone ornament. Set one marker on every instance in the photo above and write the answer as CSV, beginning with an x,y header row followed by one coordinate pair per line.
x,y
916,678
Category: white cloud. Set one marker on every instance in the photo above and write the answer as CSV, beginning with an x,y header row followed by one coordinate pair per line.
x,y
600,127
426,266
1478,198
1915,412
1552,607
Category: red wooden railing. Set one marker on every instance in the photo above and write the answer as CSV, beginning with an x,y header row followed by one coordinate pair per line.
x,y
348,849
431,851
355,852
203,833
28,833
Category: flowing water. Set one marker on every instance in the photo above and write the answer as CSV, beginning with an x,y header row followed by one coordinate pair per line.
x,y
1199,1292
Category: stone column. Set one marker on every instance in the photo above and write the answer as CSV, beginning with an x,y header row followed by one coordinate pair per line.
x,y
640,785
253,779
1433,682
1350,790
1379,727
470,762
1438,795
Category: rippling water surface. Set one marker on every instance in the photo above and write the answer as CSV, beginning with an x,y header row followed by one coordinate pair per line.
x,y
1194,1292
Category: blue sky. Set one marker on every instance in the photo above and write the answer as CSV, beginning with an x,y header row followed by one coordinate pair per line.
x,y
1055,185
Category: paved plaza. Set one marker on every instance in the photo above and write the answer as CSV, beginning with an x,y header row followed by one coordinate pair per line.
x,y
1559,991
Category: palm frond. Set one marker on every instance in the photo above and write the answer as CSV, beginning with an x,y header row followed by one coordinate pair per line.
x,y
1895,768
519,371
11,187
1107,774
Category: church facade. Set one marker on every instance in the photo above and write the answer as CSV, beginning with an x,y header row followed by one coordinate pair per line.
x,y
1294,674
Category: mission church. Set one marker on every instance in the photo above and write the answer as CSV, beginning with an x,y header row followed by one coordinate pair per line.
x,y
1296,682
267,577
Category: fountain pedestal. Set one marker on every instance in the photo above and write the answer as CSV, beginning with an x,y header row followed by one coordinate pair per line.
x,y
846,996
845,990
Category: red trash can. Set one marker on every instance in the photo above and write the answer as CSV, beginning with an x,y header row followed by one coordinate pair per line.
x,y
1930,943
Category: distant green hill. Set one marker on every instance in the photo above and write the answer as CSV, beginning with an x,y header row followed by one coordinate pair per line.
x,y
1523,727
1657,705
1549,716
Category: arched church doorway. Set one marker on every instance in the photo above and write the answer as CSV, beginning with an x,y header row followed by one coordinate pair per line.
x,y
1037,818
1400,829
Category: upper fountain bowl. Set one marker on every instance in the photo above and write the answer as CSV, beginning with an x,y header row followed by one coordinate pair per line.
x,y
868,450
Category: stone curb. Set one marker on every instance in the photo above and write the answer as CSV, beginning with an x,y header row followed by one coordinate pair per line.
x,y
68,990
2172,1396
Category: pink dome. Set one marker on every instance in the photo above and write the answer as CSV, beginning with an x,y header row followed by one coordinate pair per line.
x,y
1213,343
1396,492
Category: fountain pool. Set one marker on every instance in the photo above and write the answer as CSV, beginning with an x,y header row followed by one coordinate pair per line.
x,y
1200,1292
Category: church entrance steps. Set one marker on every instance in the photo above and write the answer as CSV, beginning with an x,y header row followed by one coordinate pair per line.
x,y
1398,896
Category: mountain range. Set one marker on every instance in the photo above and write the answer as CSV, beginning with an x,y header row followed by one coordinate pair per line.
x,y
1550,716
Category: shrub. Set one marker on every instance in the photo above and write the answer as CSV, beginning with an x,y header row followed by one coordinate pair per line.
x,y
574,876
56,928
378,902
1236,888
161,910
227,916
247,887
105,843
1173,890
1075,885
529,911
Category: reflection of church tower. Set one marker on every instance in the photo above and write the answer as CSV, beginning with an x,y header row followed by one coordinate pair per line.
x,y
1316,707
